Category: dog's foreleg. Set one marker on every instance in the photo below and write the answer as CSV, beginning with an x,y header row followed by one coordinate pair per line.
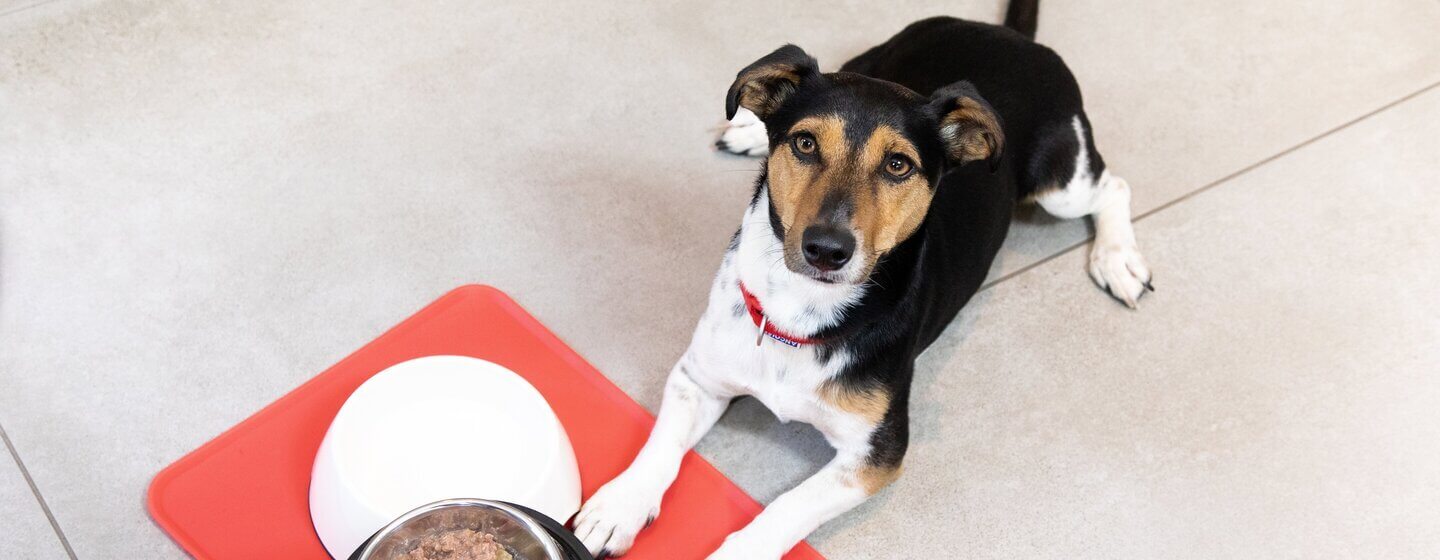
x,y
847,481
618,511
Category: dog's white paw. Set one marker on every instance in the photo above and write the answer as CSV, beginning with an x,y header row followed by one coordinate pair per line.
x,y
610,520
744,135
1120,270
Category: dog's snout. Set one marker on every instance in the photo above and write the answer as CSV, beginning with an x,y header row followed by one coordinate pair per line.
x,y
827,247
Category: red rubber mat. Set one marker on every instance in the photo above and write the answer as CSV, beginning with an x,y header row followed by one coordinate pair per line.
x,y
244,495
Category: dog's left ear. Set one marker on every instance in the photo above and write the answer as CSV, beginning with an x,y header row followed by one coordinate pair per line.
x,y
761,87
969,126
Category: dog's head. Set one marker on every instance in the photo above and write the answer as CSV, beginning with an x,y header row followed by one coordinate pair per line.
x,y
854,161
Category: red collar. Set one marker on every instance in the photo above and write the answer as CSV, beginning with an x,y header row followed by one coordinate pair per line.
x,y
757,314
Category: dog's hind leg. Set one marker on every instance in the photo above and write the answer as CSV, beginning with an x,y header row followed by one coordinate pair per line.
x,y
1070,180
744,135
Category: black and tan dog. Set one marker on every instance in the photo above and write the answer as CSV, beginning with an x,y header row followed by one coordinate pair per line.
x,y
887,192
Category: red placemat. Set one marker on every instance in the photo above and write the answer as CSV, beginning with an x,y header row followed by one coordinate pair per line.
x,y
244,495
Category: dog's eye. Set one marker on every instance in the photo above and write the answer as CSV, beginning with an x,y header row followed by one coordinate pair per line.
x,y
804,143
899,166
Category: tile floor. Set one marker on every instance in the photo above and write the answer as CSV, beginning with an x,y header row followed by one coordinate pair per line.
x,y
28,533
202,205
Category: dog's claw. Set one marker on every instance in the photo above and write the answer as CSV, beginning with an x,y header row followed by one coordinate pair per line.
x,y
1119,270
609,521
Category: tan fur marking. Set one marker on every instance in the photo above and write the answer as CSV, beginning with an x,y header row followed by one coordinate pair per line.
x,y
885,141
875,478
1041,190
971,132
884,212
766,87
870,404
887,213
799,188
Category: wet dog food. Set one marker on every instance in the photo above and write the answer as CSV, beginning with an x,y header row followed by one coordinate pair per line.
x,y
459,544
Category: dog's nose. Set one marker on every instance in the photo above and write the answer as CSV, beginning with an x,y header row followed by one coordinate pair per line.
x,y
827,247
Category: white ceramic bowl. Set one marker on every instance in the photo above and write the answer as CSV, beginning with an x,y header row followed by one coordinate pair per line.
x,y
438,428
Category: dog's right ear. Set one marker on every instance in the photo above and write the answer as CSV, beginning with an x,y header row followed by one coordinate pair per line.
x,y
761,87
969,126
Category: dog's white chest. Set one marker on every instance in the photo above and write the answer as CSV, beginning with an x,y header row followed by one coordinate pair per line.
x,y
784,378
789,384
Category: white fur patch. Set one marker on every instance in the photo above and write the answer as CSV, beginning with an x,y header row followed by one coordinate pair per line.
x,y
797,513
1078,196
744,135
795,303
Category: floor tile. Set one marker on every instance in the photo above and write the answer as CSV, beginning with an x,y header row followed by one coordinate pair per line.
x,y
27,532
12,6
1276,398
206,205
1182,93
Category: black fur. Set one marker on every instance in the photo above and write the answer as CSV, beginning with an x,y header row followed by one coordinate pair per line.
x,y
1023,16
1027,83
802,66
920,285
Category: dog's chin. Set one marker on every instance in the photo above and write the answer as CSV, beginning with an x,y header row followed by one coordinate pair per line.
x,y
842,277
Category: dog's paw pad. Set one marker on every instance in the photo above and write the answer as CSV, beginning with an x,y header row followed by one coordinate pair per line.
x,y
1122,271
744,135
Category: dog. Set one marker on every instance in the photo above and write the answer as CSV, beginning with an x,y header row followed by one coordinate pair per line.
x,y
886,193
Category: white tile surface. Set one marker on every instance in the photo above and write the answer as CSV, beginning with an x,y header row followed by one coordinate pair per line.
x,y
1184,93
13,6
27,534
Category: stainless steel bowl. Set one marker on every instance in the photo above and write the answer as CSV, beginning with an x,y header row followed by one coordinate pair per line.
x,y
525,538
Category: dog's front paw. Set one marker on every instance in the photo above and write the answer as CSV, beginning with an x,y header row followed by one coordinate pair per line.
x,y
610,520
1121,270
744,135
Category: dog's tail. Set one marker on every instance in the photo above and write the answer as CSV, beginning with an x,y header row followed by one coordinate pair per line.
x,y
1023,16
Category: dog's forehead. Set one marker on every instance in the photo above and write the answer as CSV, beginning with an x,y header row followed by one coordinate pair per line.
x,y
864,105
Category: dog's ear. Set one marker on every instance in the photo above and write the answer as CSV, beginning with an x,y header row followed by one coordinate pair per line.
x,y
969,127
761,87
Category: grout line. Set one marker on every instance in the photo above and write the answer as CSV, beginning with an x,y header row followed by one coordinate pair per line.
x,y
1292,149
36,491
1217,182
23,8
1034,265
